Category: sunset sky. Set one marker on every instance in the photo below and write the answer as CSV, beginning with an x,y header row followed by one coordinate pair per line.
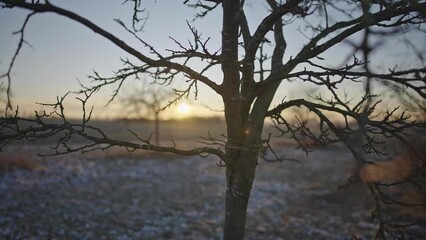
x,y
63,51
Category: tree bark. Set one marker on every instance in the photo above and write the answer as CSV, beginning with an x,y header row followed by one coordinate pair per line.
x,y
240,174
238,188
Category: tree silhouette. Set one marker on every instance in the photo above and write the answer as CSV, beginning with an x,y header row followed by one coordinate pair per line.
x,y
148,101
252,74
3,100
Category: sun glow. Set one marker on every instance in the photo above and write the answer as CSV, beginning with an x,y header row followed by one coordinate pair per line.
x,y
183,109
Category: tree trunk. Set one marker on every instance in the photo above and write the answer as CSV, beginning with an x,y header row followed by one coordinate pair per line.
x,y
157,129
238,190
242,143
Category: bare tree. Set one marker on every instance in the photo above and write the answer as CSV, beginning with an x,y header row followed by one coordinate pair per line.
x,y
148,101
3,96
250,83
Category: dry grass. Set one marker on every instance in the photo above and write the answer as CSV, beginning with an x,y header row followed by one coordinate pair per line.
x,y
397,169
15,161
400,168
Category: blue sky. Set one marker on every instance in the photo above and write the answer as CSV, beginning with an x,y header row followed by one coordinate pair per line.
x,y
63,51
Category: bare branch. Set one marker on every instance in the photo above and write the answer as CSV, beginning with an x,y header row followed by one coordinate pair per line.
x,y
205,8
15,128
48,7
137,10
7,75
312,49
267,23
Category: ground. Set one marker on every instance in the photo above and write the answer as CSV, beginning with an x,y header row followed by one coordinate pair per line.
x,y
118,196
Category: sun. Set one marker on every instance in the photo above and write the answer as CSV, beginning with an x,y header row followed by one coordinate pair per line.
x,y
183,108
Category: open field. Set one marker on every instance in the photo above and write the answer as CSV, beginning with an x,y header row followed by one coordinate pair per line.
x,y
116,195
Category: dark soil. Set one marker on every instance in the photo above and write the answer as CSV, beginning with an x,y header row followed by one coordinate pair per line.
x,y
89,197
